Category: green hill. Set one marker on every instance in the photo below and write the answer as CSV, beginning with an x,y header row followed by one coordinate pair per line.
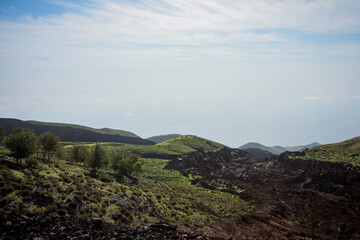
x,y
101,130
190,143
347,151
351,144
75,133
163,138
165,150
277,149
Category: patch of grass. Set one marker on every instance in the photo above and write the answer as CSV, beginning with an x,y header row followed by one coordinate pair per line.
x,y
176,146
189,143
102,130
345,152
160,194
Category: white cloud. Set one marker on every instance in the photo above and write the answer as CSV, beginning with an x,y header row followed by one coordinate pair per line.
x,y
179,60
182,23
108,34
316,98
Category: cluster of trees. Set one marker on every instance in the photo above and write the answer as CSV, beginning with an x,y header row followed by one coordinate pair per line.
x,y
23,143
122,164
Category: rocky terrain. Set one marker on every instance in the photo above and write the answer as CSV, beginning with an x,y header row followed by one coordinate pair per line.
x,y
39,227
293,198
288,198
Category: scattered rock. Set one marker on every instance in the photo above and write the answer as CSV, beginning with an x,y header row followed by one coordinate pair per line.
x,y
62,227
290,196
163,226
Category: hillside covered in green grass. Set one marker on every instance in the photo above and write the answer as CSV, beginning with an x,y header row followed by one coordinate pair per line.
x,y
347,151
163,138
277,149
101,130
75,133
190,143
177,146
63,188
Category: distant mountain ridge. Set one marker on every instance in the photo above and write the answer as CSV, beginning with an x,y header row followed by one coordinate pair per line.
x,y
277,149
163,138
259,153
75,133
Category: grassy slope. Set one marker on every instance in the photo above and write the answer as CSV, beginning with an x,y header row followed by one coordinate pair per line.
x,y
161,194
102,130
189,143
277,149
347,151
176,146
163,138
122,147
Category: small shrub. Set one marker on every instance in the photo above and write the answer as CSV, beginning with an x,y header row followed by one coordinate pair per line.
x,y
31,163
186,219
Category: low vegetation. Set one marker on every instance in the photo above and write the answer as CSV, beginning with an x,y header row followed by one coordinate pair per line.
x,y
67,189
190,143
163,138
97,181
168,149
346,152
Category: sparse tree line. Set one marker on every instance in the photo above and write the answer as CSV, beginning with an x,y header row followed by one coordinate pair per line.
x,y
121,164
23,144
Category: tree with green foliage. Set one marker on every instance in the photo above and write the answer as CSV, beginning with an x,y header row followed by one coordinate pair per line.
x,y
2,135
79,154
37,148
97,159
59,151
138,167
48,141
21,142
124,164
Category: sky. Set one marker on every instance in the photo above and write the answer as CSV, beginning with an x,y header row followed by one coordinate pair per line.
x,y
278,72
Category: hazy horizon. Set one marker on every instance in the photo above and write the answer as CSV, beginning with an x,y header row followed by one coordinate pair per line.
x,y
274,72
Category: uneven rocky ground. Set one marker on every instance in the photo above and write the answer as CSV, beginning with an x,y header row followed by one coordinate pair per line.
x,y
293,199
40,227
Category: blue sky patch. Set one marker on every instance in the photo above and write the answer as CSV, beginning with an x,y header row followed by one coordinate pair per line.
x,y
12,10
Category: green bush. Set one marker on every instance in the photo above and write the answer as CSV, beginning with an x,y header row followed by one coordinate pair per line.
x,y
31,163
124,164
